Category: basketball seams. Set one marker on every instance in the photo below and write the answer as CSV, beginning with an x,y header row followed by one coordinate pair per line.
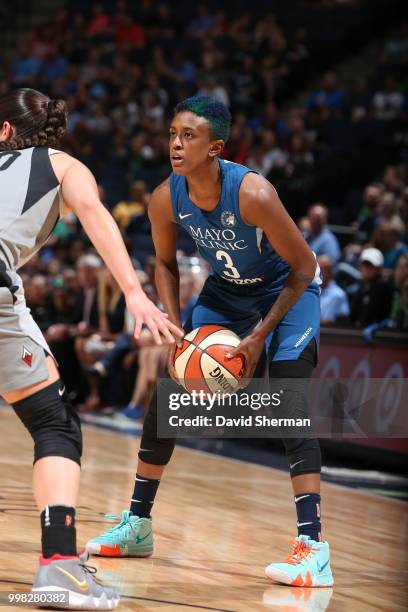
x,y
202,372
209,355
194,363
220,336
229,378
212,342
203,332
192,334
180,351
182,357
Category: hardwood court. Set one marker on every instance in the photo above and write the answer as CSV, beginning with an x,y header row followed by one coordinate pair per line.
x,y
218,522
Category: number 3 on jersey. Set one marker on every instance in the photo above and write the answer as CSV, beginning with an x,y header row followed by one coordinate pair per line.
x,y
231,271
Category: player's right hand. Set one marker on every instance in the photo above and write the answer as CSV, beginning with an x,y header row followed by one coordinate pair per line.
x,y
147,313
250,348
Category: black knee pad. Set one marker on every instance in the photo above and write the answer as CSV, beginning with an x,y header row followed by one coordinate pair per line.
x,y
303,452
152,449
303,456
52,422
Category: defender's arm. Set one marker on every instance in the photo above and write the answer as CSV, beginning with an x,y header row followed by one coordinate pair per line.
x,y
80,193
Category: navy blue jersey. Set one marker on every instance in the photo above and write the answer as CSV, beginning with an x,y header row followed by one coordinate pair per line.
x,y
238,253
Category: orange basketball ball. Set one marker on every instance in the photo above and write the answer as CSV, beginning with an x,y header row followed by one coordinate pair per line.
x,y
201,362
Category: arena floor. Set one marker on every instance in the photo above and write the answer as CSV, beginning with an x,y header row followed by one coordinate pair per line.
x,y
218,522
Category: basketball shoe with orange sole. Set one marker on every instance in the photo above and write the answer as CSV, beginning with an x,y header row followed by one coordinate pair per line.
x,y
308,565
131,537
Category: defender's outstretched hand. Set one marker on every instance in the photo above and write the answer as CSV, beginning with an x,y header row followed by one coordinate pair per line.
x,y
146,313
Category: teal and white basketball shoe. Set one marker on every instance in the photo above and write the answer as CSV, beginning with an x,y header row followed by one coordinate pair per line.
x,y
132,537
308,565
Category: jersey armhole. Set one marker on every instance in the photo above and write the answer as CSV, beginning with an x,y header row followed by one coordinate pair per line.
x,y
50,168
239,187
62,210
173,196
238,211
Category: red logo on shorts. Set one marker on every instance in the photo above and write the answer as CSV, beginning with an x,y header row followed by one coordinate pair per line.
x,y
27,357
68,520
318,510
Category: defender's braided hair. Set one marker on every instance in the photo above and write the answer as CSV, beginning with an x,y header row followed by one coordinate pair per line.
x,y
36,119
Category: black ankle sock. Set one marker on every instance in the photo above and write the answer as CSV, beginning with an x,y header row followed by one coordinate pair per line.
x,y
308,515
58,533
143,495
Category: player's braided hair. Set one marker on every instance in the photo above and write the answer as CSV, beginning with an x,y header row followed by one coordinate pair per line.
x,y
36,119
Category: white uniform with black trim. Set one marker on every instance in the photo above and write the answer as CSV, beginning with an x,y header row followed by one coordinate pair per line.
x,y
30,206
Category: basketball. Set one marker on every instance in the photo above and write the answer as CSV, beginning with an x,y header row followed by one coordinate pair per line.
x,y
201,362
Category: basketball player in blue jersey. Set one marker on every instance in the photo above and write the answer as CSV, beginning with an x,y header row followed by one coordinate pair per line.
x,y
264,286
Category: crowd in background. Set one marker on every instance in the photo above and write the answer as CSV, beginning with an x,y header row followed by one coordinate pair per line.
x,y
339,156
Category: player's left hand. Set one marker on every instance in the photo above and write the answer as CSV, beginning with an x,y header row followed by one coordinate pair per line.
x,y
251,349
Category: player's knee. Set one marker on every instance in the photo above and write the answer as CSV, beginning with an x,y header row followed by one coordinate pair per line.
x,y
52,422
153,450
156,452
303,455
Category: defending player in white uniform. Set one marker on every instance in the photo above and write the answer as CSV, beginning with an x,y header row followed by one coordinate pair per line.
x,y
37,184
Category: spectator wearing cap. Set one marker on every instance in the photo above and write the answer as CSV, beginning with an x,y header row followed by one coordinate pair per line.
x,y
372,301
333,299
320,238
